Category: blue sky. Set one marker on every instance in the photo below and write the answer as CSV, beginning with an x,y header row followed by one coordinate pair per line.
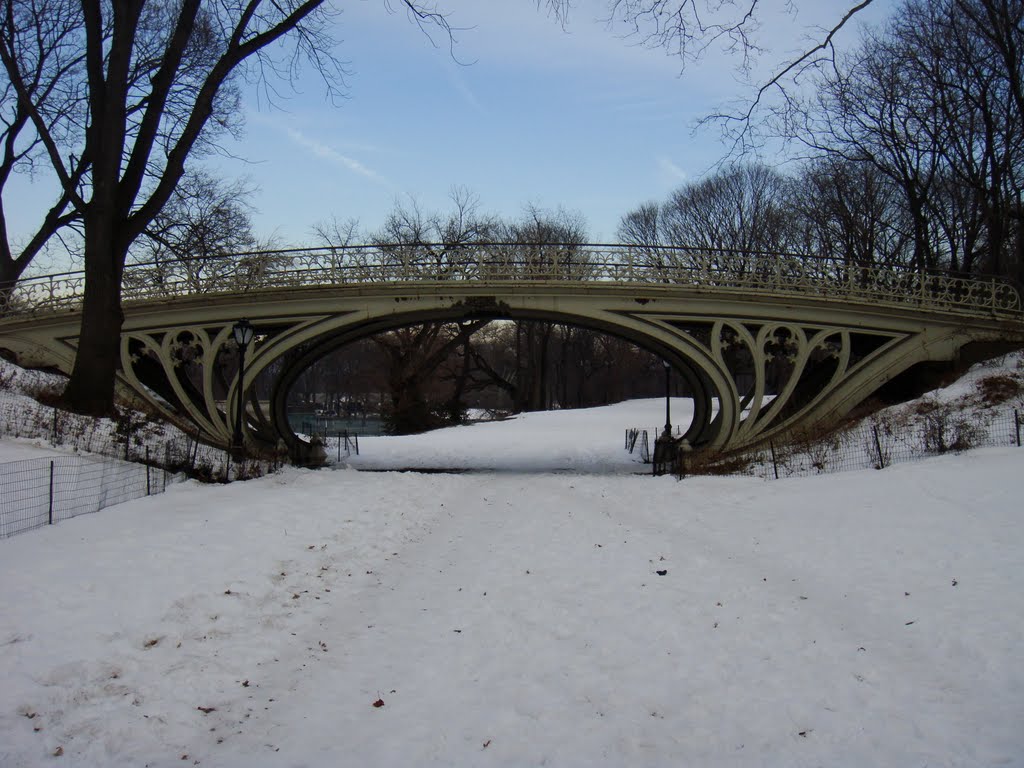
x,y
525,113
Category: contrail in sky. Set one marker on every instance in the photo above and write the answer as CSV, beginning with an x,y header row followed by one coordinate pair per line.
x,y
332,155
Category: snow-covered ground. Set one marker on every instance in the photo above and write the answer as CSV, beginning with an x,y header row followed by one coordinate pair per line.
x,y
526,618
19,450
583,440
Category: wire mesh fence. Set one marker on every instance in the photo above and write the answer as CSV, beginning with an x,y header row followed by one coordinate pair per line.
x,y
43,491
636,440
875,444
131,437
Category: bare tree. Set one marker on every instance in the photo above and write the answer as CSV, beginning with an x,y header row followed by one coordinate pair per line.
x,y
37,37
338,233
338,236
415,354
542,244
201,240
159,82
439,245
721,224
930,101
874,110
849,213
642,227
980,91
738,211
585,367
688,29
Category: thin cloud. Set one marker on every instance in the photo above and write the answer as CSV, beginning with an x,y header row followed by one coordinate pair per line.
x,y
670,169
459,84
335,157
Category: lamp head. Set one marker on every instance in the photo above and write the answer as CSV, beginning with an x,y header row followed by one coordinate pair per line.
x,y
243,332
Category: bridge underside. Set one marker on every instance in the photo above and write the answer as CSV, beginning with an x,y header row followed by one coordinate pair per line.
x,y
753,367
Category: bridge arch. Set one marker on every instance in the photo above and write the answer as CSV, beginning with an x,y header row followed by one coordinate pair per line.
x,y
345,330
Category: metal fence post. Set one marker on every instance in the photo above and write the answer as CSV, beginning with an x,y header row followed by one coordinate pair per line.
x,y
194,452
50,514
147,471
1016,424
878,448
775,463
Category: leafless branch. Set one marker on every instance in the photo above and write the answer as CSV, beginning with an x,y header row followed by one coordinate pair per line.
x,y
738,126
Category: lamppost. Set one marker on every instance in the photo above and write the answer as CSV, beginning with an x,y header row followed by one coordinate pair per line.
x,y
243,333
666,450
668,401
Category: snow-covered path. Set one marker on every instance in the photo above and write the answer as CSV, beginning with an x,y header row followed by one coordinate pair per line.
x,y
505,633
871,618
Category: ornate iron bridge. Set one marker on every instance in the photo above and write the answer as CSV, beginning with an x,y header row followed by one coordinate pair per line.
x,y
765,342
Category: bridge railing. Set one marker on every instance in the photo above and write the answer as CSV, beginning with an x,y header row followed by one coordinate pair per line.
x,y
763,273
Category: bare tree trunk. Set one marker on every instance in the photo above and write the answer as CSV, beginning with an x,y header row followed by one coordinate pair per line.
x,y
461,380
519,396
91,387
542,365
